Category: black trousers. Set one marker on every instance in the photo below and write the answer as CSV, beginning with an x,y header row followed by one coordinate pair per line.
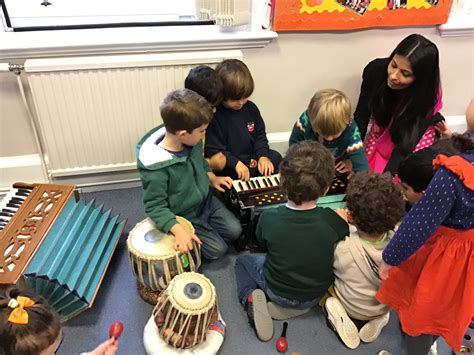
x,y
420,345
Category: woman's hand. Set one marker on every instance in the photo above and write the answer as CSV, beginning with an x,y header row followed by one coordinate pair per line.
x,y
443,129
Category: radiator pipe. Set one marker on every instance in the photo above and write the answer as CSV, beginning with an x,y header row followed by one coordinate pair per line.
x,y
17,69
14,68
4,67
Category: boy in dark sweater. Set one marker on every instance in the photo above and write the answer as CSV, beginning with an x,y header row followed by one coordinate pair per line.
x,y
206,82
238,130
299,238
175,177
328,120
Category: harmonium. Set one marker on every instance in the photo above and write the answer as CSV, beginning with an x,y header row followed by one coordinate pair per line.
x,y
55,244
247,200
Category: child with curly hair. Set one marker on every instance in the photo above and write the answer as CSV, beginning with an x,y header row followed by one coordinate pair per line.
x,y
374,206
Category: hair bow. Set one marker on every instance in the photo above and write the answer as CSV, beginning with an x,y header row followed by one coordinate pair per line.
x,y
19,315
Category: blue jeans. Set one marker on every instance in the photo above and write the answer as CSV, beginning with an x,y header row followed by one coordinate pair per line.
x,y
216,226
249,274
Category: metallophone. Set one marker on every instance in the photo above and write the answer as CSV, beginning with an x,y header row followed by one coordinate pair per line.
x,y
248,199
55,244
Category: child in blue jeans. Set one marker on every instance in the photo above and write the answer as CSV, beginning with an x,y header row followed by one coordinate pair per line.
x,y
176,177
299,238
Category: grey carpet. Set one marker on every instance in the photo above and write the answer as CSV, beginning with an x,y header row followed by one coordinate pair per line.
x,y
118,299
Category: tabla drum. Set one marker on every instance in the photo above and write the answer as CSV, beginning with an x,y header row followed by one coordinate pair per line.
x,y
153,259
155,345
185,310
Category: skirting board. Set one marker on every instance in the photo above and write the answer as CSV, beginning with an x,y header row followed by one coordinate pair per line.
x,y
23,168
27,168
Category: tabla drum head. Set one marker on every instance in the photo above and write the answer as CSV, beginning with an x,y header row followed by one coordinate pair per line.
x,y
147,239
192,291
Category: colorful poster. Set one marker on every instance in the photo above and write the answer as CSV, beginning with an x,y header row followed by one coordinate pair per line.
x,y
303,15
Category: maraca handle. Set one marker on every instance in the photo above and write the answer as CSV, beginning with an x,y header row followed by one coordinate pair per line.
x,y
285,326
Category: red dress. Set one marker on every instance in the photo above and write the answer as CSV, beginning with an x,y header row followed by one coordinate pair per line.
x,y
433,290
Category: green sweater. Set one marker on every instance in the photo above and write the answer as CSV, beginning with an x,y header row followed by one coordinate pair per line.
x,y
300,249
348,146
171,185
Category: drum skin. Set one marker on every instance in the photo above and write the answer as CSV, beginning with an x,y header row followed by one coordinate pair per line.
x,y
185,310
153,259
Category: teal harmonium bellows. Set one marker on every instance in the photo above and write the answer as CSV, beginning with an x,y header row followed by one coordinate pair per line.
x,y
64,247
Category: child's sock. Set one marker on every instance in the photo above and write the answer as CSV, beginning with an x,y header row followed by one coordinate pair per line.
x,y
282,313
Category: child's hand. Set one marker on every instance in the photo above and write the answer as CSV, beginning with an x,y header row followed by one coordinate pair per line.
x,y
217,161
243,173
383,270
342,212
183,239
265,166
218,182
443,129
108,347
344,166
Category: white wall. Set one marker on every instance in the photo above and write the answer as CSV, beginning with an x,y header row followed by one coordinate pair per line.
x,y
287,73
292,68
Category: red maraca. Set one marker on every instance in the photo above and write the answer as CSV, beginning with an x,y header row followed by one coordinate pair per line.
x,y
116,329
282,343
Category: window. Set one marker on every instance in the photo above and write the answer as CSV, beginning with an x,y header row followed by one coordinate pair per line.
x,y
460,21
243,25
59,14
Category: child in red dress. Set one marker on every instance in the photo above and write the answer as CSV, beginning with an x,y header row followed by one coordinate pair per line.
x,y
427,268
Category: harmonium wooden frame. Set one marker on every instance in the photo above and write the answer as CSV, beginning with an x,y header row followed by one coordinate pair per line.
x,y
58,246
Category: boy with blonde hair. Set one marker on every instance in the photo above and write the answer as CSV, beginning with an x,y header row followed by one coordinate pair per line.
x,y
175,177
328,120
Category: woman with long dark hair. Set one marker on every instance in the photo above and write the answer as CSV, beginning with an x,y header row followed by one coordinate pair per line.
x,y
400,97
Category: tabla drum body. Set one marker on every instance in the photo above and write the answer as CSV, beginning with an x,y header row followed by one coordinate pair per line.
x,y
153,259
185,309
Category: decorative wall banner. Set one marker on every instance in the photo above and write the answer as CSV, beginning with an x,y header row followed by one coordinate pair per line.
x,y
303,15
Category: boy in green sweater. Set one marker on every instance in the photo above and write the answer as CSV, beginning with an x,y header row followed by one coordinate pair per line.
x,y
328,120
299,238
175,177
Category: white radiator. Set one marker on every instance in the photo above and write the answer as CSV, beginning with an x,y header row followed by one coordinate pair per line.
x,y
92,111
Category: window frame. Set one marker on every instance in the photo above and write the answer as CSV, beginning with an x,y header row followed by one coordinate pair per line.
x,y
37,44
30,15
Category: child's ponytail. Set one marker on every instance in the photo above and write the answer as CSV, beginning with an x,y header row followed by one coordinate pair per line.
x,y
28,325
